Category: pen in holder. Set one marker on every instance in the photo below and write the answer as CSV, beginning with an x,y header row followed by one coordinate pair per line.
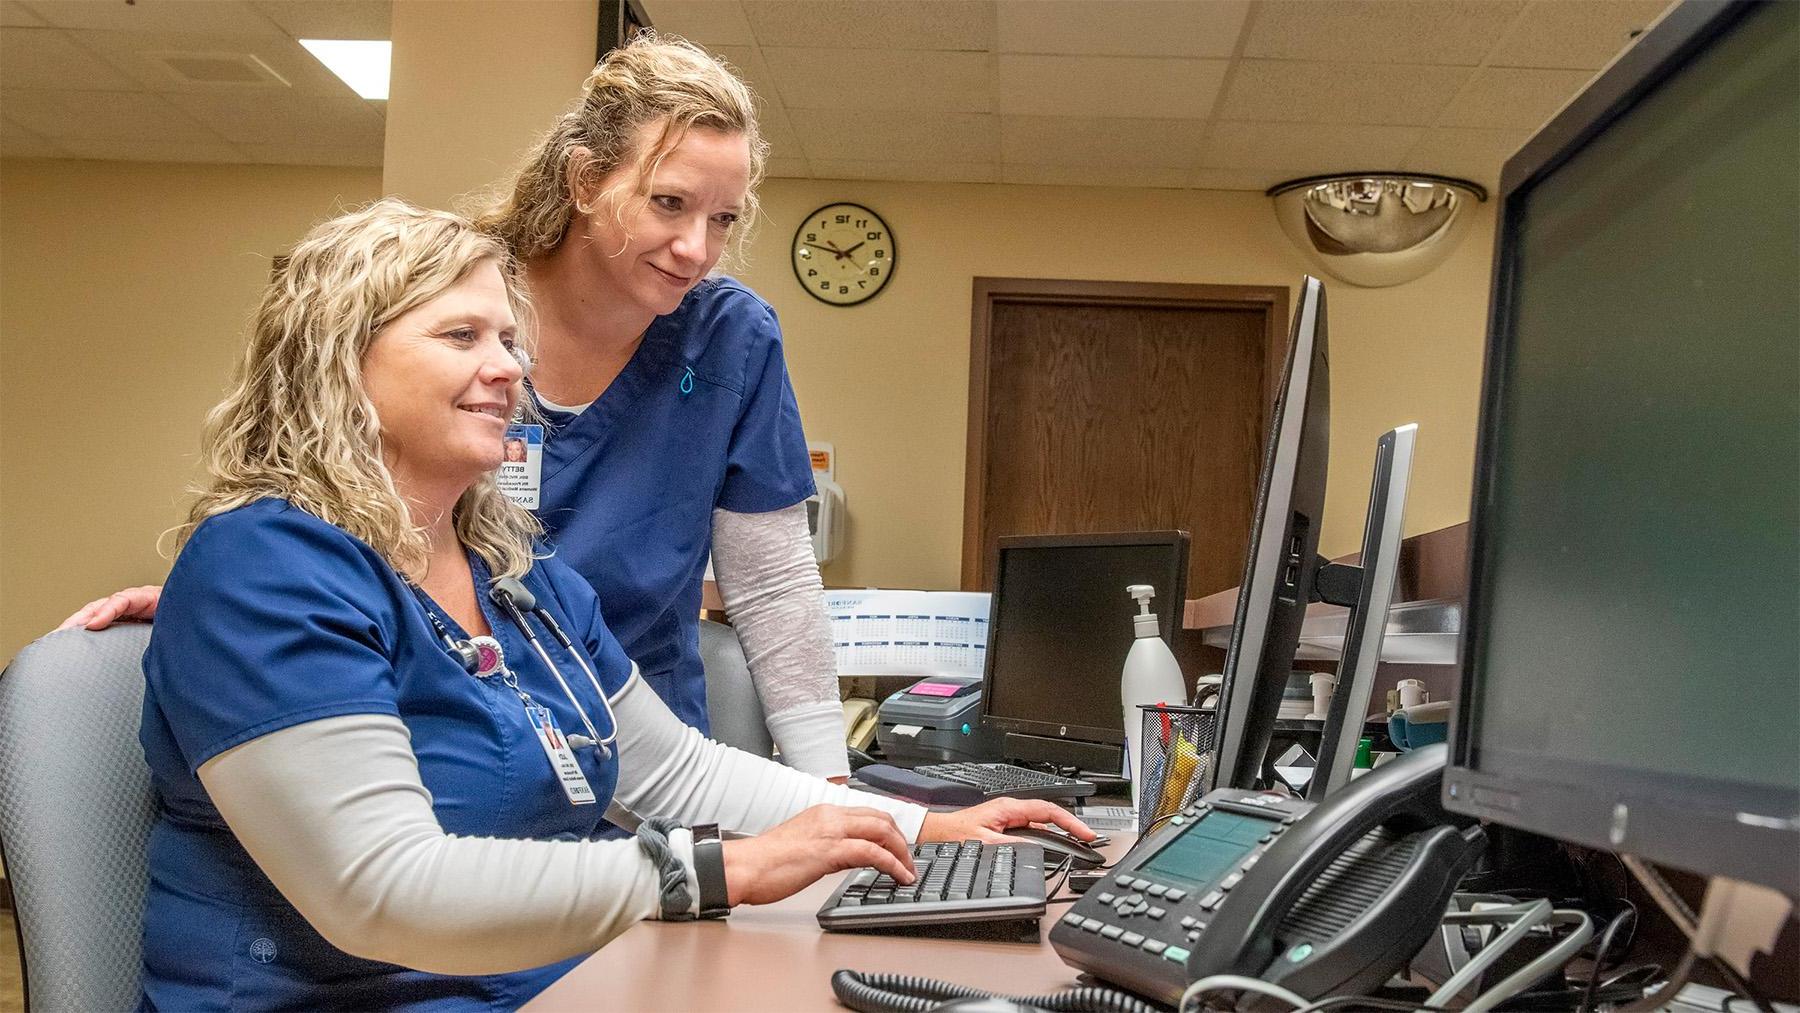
x,y
1176,744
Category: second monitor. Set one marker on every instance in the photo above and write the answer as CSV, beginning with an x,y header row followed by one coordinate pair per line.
x,y
1061,627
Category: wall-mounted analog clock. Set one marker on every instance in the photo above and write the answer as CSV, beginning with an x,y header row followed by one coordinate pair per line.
x,y
843,254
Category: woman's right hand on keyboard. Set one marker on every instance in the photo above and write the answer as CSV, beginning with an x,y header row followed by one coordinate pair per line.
x,y
822,840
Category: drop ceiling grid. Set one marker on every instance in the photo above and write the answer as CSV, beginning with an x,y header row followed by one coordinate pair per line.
x,y
60,59
1300,86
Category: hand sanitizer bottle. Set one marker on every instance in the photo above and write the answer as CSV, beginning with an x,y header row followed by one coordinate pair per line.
x,y
1151,676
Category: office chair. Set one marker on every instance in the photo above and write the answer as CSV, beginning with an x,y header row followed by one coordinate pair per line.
x,y
733,707
75,813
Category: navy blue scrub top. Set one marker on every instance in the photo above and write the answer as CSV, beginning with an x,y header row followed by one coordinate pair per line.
x,y
703,416
271,618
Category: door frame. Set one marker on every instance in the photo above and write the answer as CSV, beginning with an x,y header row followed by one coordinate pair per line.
x,y
1272,300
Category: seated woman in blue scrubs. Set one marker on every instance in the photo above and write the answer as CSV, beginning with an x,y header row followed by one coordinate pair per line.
x,y
673,429
379,783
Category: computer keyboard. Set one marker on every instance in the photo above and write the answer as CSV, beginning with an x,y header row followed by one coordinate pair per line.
x,y
1003,780
957,884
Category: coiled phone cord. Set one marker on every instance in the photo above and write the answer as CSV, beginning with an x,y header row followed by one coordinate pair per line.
x,y
900,993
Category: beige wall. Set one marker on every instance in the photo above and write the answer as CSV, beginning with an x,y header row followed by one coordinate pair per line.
x,y
887,381
125,289
474,83
124,294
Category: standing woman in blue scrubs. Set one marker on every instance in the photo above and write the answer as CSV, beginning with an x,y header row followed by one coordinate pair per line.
x,y
375,792
672,426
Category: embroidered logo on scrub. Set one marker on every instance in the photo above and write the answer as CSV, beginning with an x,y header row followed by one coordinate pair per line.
x,y
687,380
263,950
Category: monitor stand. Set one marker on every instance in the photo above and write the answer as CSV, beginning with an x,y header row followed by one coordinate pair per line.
x,y
1366,590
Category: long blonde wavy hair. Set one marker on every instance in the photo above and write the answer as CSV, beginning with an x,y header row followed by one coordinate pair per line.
x,y
649,81
297,424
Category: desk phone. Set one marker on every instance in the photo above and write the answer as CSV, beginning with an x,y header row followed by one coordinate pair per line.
x,y
1321,899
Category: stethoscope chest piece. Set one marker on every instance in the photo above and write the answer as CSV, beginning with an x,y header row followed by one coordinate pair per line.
x,y
490,657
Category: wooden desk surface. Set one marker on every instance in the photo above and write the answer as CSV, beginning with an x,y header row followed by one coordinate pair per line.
x,y
776,959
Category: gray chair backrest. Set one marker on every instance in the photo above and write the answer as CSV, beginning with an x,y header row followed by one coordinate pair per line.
x,y
75,812
732,705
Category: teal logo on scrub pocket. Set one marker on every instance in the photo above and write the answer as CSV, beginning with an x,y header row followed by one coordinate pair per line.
x,y
687,381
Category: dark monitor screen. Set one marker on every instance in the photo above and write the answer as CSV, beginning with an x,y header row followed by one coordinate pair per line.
x,y
1632,663
1061,627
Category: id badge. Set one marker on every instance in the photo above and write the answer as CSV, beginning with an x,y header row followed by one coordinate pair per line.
x,y
562,758
522,465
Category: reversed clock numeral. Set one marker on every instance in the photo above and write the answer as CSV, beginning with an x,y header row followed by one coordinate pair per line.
x,y
874,272
873,235
843,290
812,272
843,219
812,237
880,254
825,286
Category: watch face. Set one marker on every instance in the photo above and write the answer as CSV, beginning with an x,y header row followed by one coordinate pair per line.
x,y
843,254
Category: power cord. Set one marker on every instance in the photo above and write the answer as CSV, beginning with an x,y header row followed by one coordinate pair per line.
x,y
898,993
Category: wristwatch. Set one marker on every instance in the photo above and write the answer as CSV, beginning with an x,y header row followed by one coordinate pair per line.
x,y
709,871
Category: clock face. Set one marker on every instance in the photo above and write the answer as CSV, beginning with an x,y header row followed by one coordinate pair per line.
x,y
843,254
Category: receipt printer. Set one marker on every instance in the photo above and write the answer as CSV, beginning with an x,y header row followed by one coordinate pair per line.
x,y
935,720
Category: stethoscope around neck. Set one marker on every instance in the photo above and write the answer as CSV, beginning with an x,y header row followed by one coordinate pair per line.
x,y
515,599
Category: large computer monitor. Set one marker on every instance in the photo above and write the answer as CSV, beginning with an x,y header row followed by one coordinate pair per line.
x,y
1631,656
1281,566
1061,625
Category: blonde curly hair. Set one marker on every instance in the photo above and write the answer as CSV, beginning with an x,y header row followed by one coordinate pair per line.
x,y
298,425
650,81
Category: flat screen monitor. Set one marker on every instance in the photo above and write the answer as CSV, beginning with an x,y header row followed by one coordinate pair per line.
x,y
1631,654
1281,566
1061,627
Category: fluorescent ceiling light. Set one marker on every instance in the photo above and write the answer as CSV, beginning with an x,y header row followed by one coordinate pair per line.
x,y
361,64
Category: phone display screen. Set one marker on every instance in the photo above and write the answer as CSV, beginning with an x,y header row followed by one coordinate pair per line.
x,y
1208,849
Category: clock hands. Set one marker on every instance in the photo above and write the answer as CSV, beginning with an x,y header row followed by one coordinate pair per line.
x,y
853,249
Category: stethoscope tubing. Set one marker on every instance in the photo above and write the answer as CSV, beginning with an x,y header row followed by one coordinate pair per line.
x,y
517,615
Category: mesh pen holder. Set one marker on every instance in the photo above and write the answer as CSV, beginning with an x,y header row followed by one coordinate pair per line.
x,y
1177,747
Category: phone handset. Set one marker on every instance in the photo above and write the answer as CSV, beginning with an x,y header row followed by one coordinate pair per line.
x,y
1401,899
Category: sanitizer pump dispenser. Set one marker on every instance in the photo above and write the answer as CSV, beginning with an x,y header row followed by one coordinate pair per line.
x,y
1151,676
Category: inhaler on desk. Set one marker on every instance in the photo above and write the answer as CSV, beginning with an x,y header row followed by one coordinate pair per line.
x,y
1151,676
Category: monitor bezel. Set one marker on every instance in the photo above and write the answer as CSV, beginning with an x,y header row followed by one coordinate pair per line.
x,y
1688,825
1175,540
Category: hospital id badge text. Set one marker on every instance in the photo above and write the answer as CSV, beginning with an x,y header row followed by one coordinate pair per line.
x,y
522,465
562,758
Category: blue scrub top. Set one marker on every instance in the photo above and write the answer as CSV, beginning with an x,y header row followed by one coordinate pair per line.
x,y
703,416
271,618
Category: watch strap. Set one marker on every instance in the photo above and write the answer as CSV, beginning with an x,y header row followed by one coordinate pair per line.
x,y
709,871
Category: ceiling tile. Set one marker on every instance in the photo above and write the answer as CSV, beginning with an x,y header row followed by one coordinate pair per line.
x,y
14,14
1573,34
1235,179
311,154
1119,86
47,58
873,24
1057,140
925,172
779,134
18,142
150,149
1307,148
1379,31
1469,154
830,134
276,118
137,54
787,168
230,17
919,80
101,115
1121,28
1289,91
748,64
1095,175
331,19
707,22
1499,97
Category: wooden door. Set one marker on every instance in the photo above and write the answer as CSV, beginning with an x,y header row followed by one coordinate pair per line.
x,y
1104,406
